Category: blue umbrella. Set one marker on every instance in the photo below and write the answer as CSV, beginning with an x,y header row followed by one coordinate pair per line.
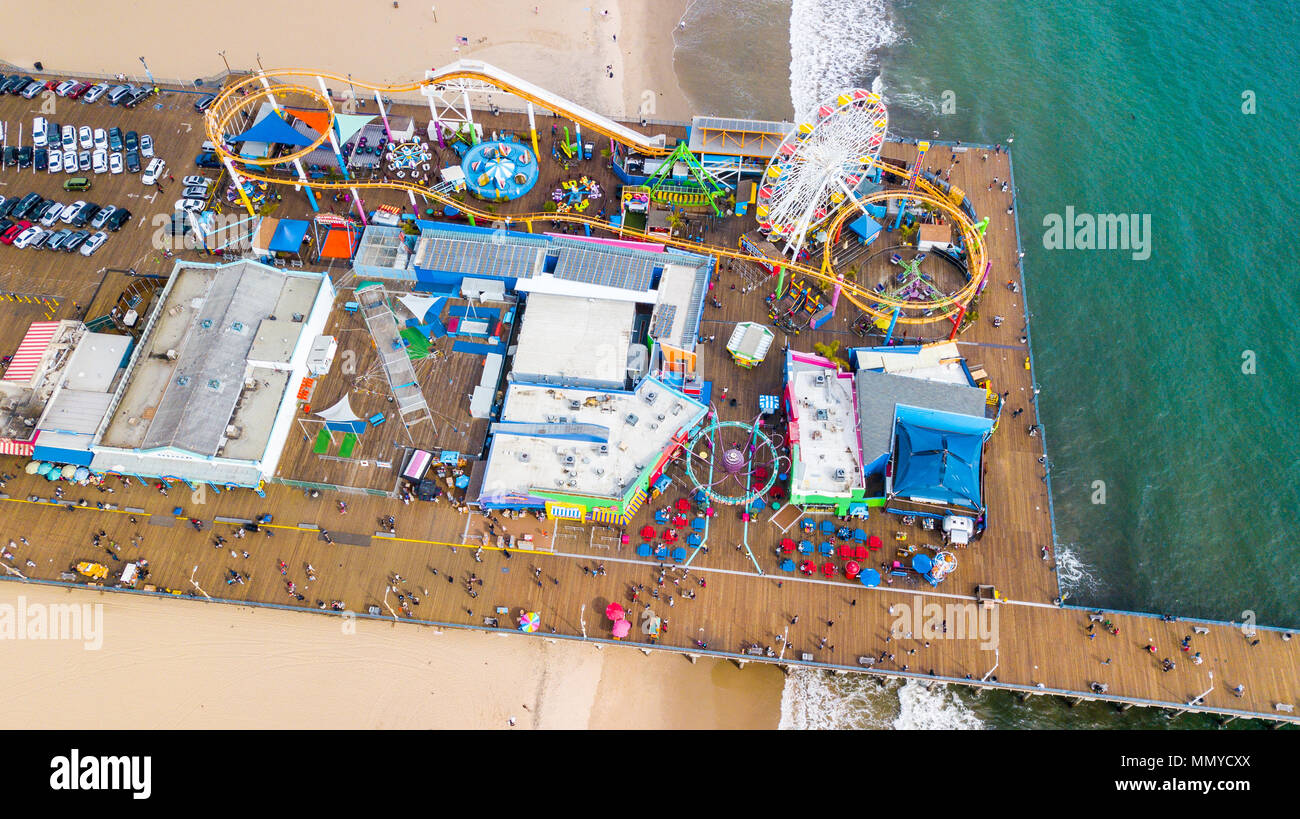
x,y
44,468
81,474
921,563
870,578
53,475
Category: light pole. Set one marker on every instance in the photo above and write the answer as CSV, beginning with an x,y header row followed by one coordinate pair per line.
x,y
997,658
434,9
582,620
147,72
1194,700
259,63
222,55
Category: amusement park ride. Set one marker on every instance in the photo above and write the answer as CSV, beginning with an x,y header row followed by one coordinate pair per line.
x,y
810,190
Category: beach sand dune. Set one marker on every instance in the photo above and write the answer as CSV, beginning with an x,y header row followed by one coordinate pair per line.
x,y
175,664
564,47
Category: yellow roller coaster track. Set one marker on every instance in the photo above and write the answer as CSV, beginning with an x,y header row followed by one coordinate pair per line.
x,y
238,96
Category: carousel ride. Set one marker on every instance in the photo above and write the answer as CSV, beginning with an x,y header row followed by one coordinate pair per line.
x,y
408,159
499,171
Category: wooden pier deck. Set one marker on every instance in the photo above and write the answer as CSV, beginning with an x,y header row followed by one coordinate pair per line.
x,y
1036,646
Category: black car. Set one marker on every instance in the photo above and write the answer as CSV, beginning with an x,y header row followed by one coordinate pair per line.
x,y
11,155
84,215
7,205
138,97
133,161
204,102
115,138
207,159
5,224
120,217
132,141
28,204
41,159
22,85
25,156
15,84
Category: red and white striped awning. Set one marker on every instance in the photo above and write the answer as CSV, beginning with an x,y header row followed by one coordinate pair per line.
x,y
8,446
28,358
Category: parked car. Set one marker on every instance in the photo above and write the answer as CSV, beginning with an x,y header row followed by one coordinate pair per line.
x,y
69,161
120,217
28,236
77,183
195,179
33,90
133,161
118,93
99,161
155,170
7,205
132,141
70,210
85,137
115,138
74,241
40,132
95,91
189,205
56,241
11,155
42,240
69,137
64,87
83,161
140,95
14,230
195,192
28,204
95,242
102,217
50,213
207,160
79,90
87,212
115,162
101,139
203,102
25,156
41,160
146,145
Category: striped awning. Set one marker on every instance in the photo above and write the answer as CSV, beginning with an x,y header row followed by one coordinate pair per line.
x,y
634,505
557,510
609,516
8,446
768,403
30,352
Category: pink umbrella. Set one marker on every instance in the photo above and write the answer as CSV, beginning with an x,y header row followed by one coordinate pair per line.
x,y
614,611
621,628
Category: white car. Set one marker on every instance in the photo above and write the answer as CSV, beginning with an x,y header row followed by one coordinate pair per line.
x,y
69,161
40,132
201,181
94,243
100,161
85,138
64,87
83,161
188,205
69,137
56,161
52,216
101,139
115,162
155,170
70,211
146,145
27,236
96,91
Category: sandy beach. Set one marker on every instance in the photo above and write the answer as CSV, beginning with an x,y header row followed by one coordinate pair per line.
x,y
564,46
174,664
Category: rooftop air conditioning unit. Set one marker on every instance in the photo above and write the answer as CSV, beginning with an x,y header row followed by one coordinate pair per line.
x,y
233,431
575,404
661,416
820,380
568,460
651,396
571,482
523,457
841,474
631,419
654,426
172,355
677,408
603,449
600,470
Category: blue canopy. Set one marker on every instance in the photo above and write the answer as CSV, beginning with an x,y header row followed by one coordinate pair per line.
x,y
921,563
273,129
866,227
938,456
289,234
870,578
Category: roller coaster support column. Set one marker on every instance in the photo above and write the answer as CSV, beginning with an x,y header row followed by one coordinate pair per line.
x,y
239,187
956,322
780,281
383,114
334,142
889,335
835,294
361,207
469,117
532,130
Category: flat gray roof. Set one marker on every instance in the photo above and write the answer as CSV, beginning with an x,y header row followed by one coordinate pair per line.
x,y
880,393
737,137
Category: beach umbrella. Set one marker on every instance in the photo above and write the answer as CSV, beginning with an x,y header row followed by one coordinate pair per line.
x,y
81,474
530,622
44,468
870,578
621,629
851,569
921,563
52,475
614,611
32,468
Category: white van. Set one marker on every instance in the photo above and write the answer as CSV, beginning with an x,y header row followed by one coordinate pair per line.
x,y
40,132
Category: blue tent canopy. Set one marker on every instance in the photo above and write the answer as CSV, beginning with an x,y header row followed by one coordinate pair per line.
x,y
273,129
288,236
866,227
921,563
938,456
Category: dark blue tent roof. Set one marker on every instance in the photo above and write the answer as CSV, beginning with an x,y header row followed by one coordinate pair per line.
x,y
288,236
273,129
937,456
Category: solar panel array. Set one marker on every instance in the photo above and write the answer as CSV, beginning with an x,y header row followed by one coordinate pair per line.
x,y
753,126
592,267
662,324
501,260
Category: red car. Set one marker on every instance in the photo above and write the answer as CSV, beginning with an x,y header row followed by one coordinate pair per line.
x,y
12,233
78,90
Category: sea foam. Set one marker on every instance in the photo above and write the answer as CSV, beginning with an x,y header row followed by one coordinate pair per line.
x,y
831,47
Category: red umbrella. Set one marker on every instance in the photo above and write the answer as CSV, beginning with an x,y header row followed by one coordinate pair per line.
x,y
614,611
682,504
787,545
873,543
852,569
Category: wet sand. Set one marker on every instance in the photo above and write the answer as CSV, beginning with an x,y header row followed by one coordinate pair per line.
x,y
187,664
564,47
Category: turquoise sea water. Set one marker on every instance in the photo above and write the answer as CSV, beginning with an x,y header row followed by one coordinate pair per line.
x,y
1145,366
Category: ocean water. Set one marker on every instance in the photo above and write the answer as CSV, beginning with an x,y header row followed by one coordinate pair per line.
x,y
1167,383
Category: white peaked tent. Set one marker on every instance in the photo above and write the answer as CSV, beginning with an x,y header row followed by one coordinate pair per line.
x,y
341,418
418,305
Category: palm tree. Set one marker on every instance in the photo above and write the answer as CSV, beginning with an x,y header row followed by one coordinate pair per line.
x,y
831,352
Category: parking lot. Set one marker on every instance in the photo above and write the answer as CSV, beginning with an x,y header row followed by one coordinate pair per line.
x,y
31,280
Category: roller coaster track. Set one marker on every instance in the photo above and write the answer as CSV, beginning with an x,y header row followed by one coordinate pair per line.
x,y
239,96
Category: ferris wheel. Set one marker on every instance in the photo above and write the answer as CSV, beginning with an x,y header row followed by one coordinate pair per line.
x,y
819,164
734,463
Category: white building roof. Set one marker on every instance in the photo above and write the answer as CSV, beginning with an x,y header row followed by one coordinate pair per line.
x,y
566,338
541,427
933,362
825,412
95,361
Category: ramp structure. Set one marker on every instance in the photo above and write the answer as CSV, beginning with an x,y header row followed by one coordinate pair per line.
x,y
391,349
